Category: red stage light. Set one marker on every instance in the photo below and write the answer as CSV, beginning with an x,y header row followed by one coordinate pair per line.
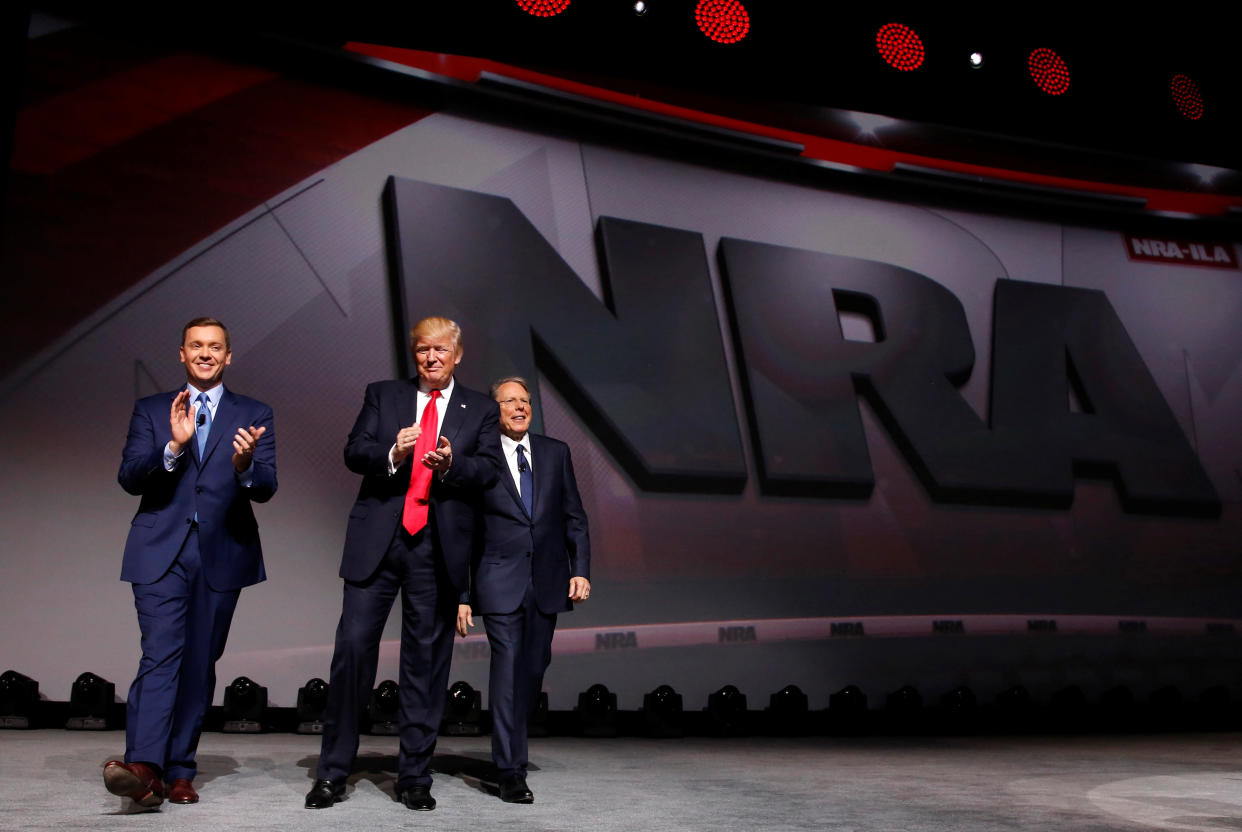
x,y
1048,71
724,21
543,8
900,46
1186,96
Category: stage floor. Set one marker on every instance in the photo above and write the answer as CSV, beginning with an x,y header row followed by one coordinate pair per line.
x,y
51,780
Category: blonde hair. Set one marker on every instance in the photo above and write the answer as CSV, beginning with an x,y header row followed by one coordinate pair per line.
x,y
433,326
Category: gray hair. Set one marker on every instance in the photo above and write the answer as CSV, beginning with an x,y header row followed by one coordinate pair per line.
x,y
496,385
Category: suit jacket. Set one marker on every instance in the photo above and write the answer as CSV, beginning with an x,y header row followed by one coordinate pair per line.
x,y
549,547
209,487
470,424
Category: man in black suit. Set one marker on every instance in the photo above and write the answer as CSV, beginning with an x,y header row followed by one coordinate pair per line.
x,y
535,561
198,457
426,448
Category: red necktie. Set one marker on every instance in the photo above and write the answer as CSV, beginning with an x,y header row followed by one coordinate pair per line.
x,y
414,517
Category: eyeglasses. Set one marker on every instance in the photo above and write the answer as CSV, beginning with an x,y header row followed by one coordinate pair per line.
x,y
512,403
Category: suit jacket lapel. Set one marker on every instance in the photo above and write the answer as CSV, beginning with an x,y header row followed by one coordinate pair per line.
x,y
541,465
226,414
506,476
407,405
455,412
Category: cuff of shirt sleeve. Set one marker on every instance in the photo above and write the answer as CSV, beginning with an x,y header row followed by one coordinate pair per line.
x,y
171,459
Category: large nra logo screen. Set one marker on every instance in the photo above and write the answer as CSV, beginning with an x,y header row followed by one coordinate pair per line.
x,y
645,367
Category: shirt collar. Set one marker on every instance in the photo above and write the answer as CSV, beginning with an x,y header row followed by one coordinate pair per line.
x,y
213,395
510,447
445,392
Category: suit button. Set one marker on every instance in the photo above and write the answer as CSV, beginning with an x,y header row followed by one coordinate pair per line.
x,y
189,520
198,490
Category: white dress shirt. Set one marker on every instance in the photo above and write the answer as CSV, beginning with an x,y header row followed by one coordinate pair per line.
x,y
509,447
424,396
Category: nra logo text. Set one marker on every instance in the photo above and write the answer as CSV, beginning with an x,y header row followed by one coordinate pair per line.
x,y
736,634
616,641
1041,625
471,651
1220,255
1069,393
1132,626
847,628
948,626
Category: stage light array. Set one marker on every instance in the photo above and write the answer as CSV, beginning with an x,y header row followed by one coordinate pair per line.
x,y
244,704
543,8
1186,96
463,711
1048,71
597,711
724,21
900,46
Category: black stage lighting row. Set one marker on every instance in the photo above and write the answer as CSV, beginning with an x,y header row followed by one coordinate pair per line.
x,y
93,705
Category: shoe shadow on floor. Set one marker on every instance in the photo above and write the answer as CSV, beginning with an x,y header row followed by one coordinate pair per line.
x,y
475,770
212,766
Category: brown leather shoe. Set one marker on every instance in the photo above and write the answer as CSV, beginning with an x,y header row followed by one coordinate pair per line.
x,y
137,781
182,791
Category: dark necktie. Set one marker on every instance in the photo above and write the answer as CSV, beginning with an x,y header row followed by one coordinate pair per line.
x,y
526,482
414,515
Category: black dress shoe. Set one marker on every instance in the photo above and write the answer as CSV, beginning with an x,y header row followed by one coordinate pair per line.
x,y
418,798
323,794
514,790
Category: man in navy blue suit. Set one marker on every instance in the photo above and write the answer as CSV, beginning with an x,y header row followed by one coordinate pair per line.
x,y
198,457
426,448
535,561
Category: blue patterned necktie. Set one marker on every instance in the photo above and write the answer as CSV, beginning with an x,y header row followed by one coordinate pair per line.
x,y
526,482
203,418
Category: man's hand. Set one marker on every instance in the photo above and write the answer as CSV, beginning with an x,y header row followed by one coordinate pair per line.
x,y
465,619
243,446
441,458
404,446
181,422
579,589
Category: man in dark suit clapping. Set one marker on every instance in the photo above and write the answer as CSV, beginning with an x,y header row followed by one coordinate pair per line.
x,y
426,447
198,457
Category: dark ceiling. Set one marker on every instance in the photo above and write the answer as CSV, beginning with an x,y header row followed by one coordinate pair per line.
x,y
798,58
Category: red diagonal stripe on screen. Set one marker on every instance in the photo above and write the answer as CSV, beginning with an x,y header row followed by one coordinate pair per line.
x,y
79,123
